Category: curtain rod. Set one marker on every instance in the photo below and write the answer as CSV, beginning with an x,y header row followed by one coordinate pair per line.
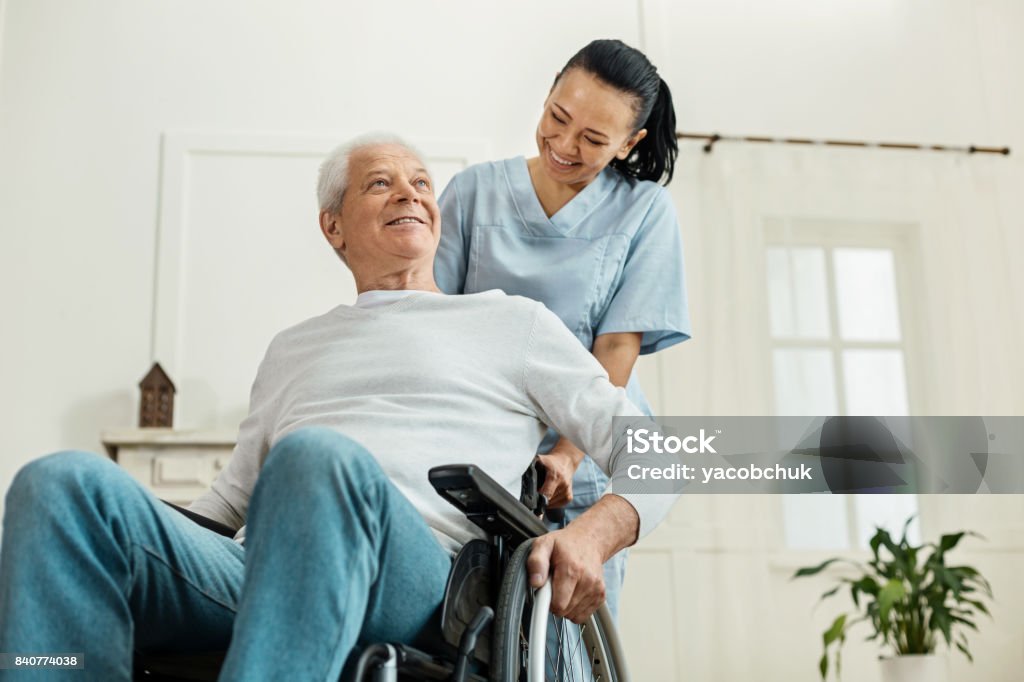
x,y
715,137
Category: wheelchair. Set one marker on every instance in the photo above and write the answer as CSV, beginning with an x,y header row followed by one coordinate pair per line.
x,y
495,627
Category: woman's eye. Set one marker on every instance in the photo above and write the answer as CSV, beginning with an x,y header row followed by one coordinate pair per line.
x,y
555,116
379,183
594,142
422,183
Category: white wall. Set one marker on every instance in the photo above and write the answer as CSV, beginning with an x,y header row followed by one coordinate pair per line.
x,y
88,91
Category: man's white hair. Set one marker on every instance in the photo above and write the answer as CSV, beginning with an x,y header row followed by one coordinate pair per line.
x,y
333,179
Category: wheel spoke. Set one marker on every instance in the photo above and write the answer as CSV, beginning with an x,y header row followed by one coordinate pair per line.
x,y
560,632
553,664
579,645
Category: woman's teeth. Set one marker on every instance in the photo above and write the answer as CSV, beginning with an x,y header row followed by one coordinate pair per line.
x,y
560,161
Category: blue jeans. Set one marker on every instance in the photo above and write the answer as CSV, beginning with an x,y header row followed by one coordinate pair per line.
x,y
335,555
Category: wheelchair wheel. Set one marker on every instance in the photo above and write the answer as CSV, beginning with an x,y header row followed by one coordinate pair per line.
x,y
571,653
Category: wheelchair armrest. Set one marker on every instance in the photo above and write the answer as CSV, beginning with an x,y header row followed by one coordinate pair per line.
x,y
485,503
209,524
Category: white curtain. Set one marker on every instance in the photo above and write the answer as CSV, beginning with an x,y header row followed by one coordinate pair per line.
x,y
966,299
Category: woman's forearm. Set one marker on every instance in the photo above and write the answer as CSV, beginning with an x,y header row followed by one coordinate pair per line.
x,y
617,353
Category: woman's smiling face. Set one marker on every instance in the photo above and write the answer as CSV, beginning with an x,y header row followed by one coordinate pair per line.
x,y
585,125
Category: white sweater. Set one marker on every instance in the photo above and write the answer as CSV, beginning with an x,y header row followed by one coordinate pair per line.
x,y
430,380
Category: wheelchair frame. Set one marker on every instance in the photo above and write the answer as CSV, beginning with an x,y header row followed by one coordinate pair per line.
x,y
471,597
510,525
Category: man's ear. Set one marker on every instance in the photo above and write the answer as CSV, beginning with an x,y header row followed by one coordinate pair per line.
x,y
627,148
330,225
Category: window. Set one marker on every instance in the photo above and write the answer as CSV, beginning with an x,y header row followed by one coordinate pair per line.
x,y
838,347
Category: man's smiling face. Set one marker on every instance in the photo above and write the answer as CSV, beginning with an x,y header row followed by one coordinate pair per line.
x,y
388,212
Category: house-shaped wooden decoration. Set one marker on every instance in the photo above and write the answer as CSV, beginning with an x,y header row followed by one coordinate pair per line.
x,y
156,407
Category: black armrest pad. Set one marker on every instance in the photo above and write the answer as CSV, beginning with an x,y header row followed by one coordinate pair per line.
x,y
209,524
485,503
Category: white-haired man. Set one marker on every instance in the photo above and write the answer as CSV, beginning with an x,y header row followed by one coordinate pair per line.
x,y
344,540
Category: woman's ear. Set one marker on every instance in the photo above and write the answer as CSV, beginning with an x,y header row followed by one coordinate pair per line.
x,y
330,226
627,148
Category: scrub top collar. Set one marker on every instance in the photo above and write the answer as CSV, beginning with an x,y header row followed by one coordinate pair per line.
x,y
567,217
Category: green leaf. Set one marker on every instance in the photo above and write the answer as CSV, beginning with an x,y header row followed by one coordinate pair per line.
x,y
941,620
823,665
948,578
979,605
876,540
830,592
969,574
950,541
866,584
965,621
893,591
839,653
912,574
833,632
967,653
906,525
812,570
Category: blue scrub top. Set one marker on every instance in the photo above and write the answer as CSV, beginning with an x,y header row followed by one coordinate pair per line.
x,y
610,260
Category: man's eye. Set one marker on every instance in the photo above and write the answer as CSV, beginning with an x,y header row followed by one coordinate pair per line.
x,y
555,116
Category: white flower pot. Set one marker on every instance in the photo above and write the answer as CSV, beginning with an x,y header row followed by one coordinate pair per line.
x,y
914,668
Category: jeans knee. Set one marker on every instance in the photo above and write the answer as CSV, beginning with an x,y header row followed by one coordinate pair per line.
x,y
43,480
311,453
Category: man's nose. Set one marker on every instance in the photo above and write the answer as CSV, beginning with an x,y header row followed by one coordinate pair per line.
x,y
404,191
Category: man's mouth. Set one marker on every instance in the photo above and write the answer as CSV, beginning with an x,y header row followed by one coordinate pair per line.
x,y
407,219
566,163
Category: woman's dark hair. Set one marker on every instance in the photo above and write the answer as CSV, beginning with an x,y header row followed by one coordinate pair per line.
x,y
628,70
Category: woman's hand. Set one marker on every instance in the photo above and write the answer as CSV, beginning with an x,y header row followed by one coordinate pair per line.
x,y
560,465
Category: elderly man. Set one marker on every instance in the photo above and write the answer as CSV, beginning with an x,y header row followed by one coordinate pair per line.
x,y
344,540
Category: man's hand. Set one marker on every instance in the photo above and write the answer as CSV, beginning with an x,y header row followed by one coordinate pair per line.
x,y
576,566
574,556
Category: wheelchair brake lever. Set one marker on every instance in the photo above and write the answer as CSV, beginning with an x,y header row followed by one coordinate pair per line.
x,y
467,643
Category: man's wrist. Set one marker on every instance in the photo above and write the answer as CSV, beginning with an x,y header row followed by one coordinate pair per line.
x,y
612,524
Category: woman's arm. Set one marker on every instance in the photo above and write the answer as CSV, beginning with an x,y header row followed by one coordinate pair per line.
x,y
617,352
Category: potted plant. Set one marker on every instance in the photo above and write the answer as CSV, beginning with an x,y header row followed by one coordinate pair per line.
x,y
909,600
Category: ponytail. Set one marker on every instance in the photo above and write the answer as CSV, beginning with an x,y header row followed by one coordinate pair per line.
x,y
629,71
654,157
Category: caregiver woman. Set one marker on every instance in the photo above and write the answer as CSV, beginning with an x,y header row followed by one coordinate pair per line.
x,y
584,228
